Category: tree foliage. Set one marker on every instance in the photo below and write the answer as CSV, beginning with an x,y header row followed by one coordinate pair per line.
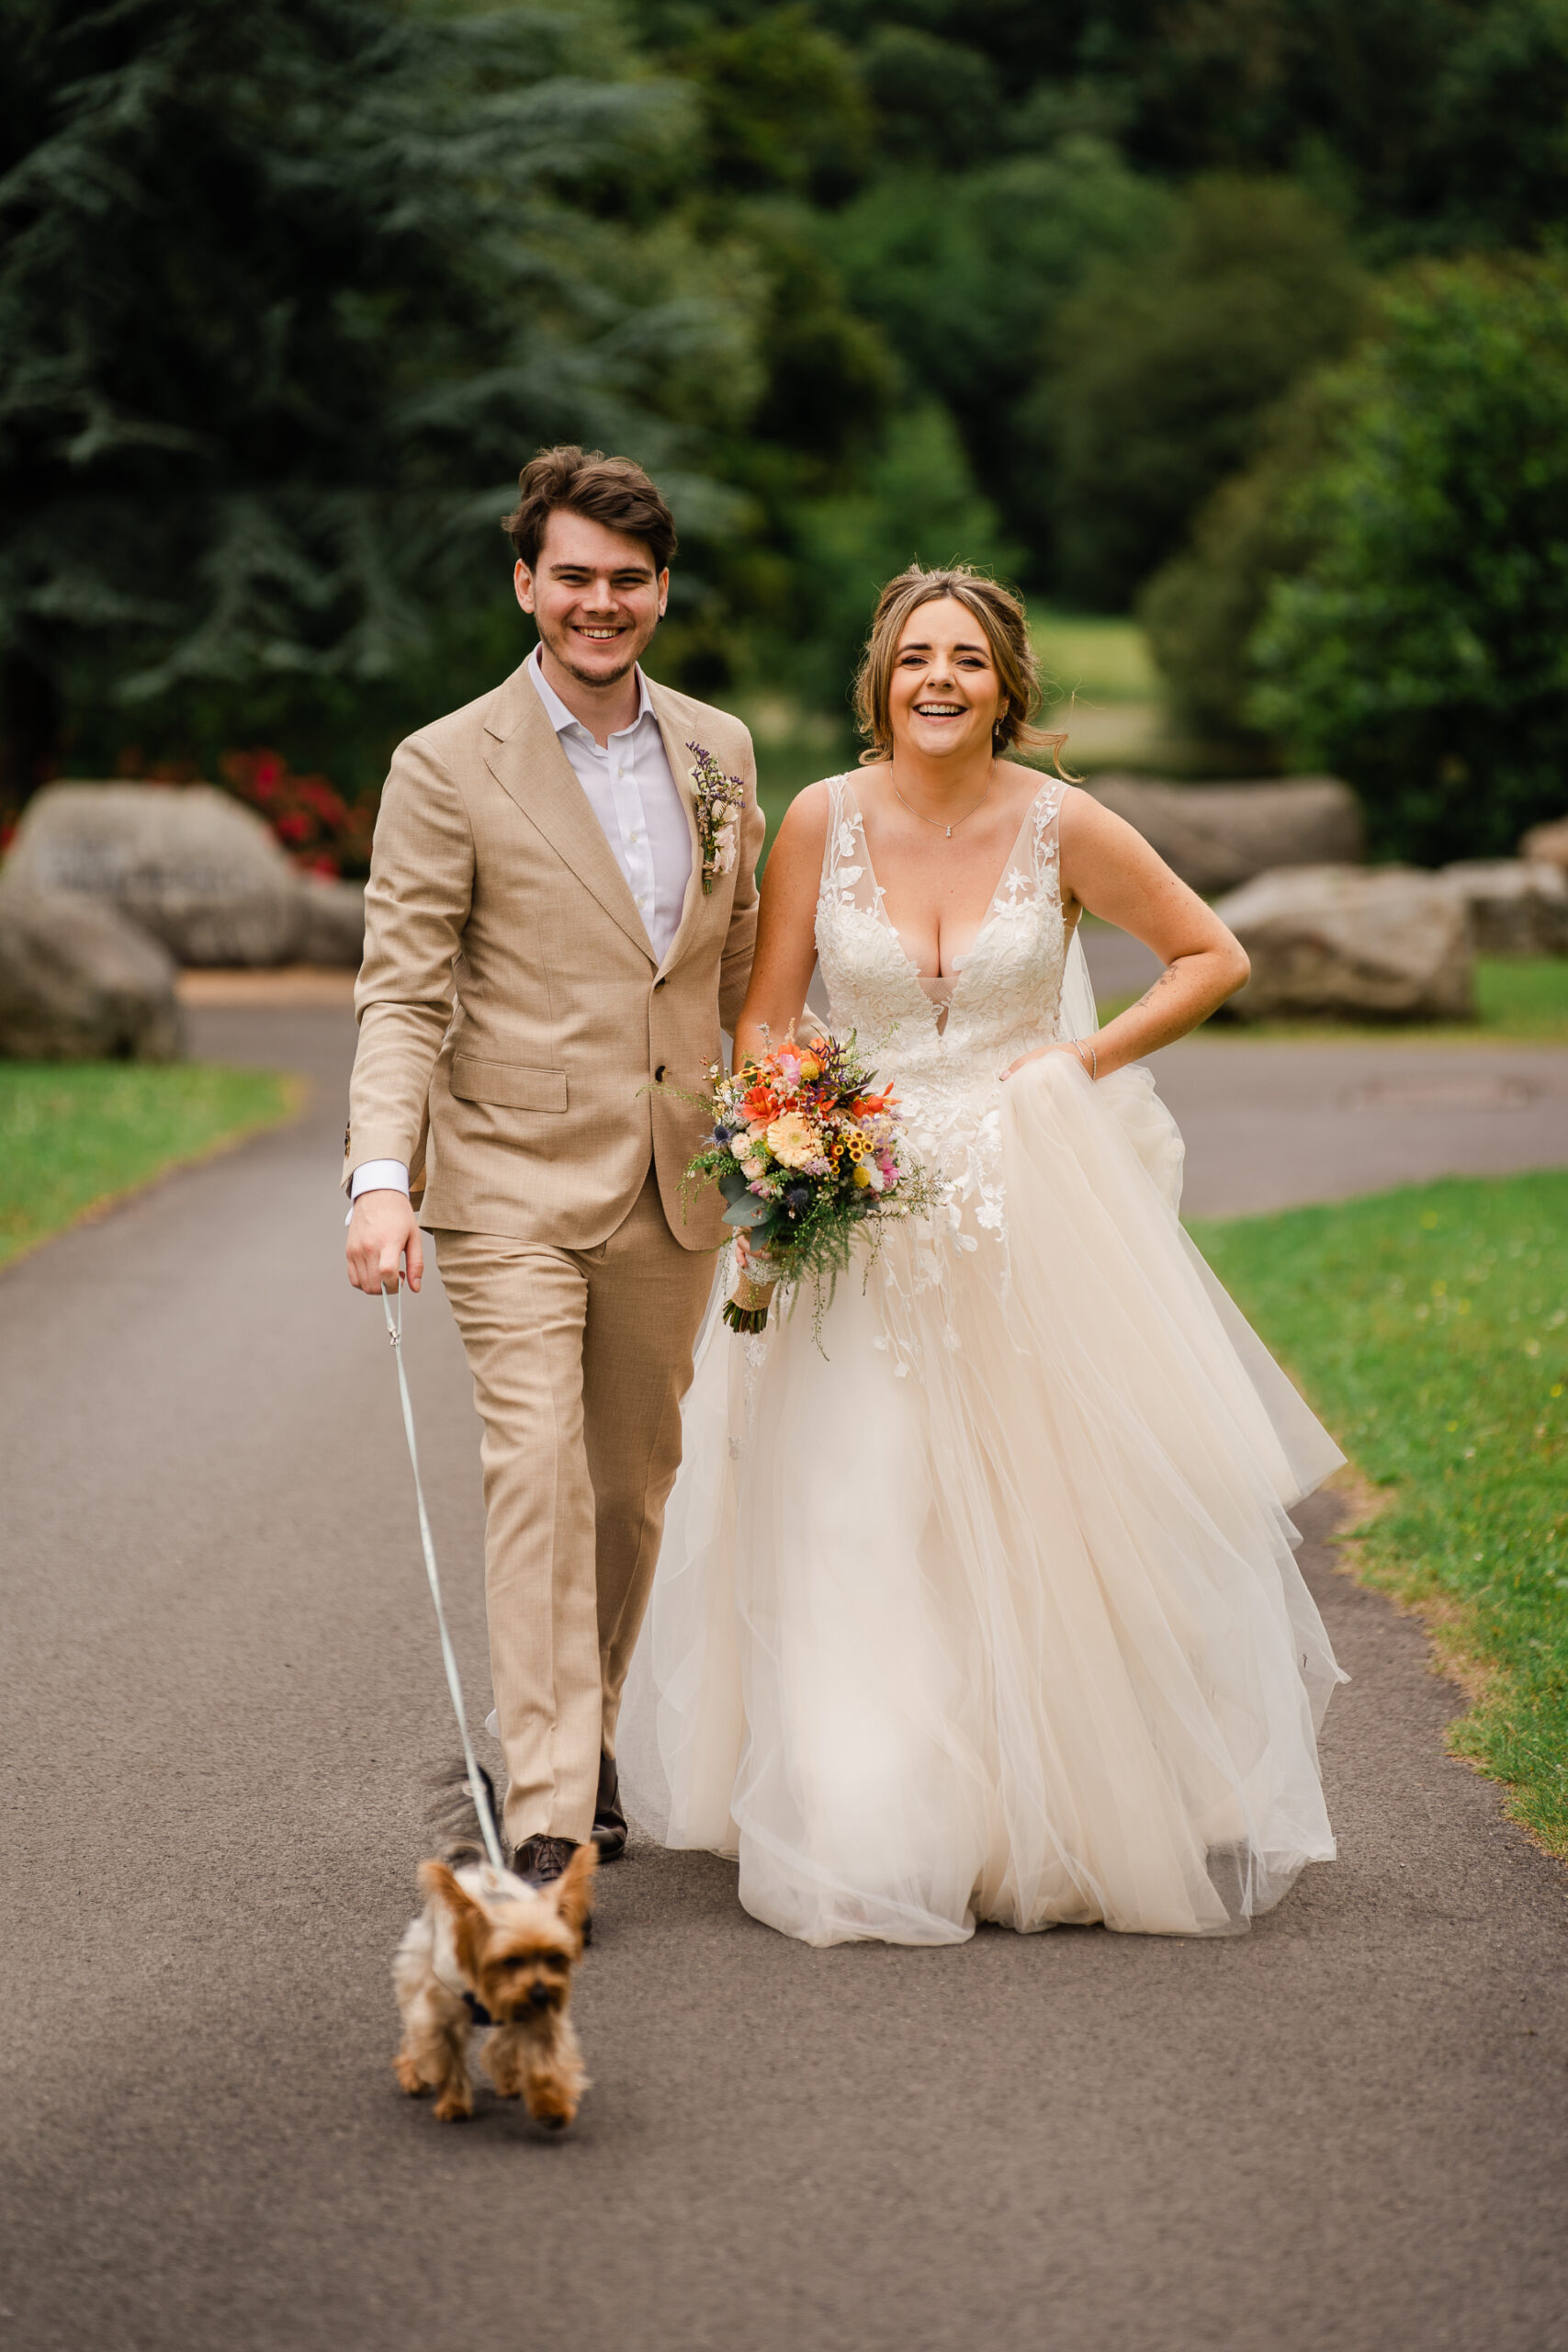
x,y
1164,367
285,290
1423,649
1200,609
288,291
967,277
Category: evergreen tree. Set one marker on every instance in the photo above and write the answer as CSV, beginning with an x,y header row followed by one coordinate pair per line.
x,y
287,292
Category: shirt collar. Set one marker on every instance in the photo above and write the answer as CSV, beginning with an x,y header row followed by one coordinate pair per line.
x,y
561,718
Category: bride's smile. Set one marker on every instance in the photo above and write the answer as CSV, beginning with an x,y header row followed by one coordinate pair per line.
x,y
944,698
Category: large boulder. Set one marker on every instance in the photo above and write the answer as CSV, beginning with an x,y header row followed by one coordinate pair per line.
x,y
331,922
1344,941
79,983
1547,844
1517,906
1218,835
191,865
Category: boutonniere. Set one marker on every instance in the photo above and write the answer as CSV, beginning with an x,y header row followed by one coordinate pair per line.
x,y
717,799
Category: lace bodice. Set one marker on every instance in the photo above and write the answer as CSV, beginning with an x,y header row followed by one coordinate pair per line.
x,y
1004,1001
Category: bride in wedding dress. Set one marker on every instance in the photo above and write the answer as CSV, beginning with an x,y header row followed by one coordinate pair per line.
x,y
984,1604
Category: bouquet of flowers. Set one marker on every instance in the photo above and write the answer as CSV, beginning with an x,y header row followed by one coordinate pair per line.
x,y
807,1154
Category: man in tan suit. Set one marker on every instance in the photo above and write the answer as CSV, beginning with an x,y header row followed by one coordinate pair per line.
x,y
545,939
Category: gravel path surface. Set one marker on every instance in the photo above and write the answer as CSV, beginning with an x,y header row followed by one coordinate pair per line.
x,y
219,1689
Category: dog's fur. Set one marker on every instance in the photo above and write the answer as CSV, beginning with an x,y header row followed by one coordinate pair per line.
x,y
514,1945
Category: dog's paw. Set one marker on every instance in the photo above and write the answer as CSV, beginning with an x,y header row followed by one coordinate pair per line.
x,y
551,2108
408,2074
455,2105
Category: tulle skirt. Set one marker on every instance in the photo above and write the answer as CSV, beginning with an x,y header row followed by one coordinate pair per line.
x,y
986,1604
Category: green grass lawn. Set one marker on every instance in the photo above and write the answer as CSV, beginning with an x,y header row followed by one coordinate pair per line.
x,y
74,1135
1519,1002
1523,999
1105,660
1429,1329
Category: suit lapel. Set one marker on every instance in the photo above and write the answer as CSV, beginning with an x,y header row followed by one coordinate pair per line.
x,y
523,753
680,760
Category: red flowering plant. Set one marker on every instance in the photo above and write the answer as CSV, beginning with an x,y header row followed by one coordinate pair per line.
x,y
323,833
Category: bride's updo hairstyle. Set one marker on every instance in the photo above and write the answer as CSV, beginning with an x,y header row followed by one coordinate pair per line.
x,y
1002,615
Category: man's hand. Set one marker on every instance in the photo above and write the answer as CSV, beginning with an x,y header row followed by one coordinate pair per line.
x,y
382,1232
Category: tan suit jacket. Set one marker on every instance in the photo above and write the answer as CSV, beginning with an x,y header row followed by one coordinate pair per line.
x,y
512,1014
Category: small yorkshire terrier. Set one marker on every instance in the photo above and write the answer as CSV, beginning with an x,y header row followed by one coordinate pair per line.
x,y
490,1950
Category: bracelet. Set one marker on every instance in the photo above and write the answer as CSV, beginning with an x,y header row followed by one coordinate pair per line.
x,y
1092,1065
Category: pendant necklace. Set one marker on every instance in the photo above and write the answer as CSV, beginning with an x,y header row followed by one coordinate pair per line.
x,y
940,822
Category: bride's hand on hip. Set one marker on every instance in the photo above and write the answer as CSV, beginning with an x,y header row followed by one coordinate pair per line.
x,y
1082,1051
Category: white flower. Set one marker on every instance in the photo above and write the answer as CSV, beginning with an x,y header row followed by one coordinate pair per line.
x,y
753,1169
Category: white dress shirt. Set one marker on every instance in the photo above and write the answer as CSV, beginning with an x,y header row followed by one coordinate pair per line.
x,y
630,789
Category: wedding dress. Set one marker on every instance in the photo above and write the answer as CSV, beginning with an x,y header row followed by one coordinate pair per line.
x,y
985,1605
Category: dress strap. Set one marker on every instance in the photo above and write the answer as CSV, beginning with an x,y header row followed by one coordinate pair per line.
x,y
843,841
834,819
1047,850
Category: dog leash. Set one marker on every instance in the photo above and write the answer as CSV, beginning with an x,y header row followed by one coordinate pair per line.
x,y
454,1684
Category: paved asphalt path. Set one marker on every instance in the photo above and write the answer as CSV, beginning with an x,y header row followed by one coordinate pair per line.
x,y
219,1691
1270,1126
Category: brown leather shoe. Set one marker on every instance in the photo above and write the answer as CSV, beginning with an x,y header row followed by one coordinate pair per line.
x,y
542,1858
609,1821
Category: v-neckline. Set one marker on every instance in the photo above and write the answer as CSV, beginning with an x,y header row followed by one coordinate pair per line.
x,y
939,1007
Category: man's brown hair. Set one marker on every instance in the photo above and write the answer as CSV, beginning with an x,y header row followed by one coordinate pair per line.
x,y
612,491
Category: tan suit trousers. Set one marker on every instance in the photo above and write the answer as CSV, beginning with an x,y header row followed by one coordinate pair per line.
x,y
580,1360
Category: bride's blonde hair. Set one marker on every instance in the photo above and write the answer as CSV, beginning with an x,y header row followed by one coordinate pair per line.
x,y
1002,615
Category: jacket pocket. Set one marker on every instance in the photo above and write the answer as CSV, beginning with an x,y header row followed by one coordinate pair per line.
x,y
508,1085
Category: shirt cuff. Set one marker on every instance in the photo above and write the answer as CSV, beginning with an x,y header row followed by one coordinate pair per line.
x,y
377,1176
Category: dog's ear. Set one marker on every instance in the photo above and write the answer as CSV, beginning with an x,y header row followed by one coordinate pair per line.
x,y
574,1888
470,1923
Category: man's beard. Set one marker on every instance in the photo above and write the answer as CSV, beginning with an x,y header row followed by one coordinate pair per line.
x,y
590,678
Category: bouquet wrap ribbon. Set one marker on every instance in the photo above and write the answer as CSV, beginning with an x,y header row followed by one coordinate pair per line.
x,y
746,1309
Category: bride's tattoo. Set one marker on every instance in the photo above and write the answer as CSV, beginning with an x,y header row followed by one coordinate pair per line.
x,y
1150,994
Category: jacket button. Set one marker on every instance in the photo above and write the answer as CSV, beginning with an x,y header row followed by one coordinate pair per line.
x,y
659,1074
658,984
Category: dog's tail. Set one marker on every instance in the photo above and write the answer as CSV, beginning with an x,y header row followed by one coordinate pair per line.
x,y
454,1813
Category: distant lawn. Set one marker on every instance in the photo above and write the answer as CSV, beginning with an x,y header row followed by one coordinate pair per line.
x,y
1429,1329
1524,1001
73,1134
1527,999
1105,660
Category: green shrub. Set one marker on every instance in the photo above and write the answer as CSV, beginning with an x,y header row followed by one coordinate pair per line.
x,y
1200,609
965,273
916,503
1164,368
1423,650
